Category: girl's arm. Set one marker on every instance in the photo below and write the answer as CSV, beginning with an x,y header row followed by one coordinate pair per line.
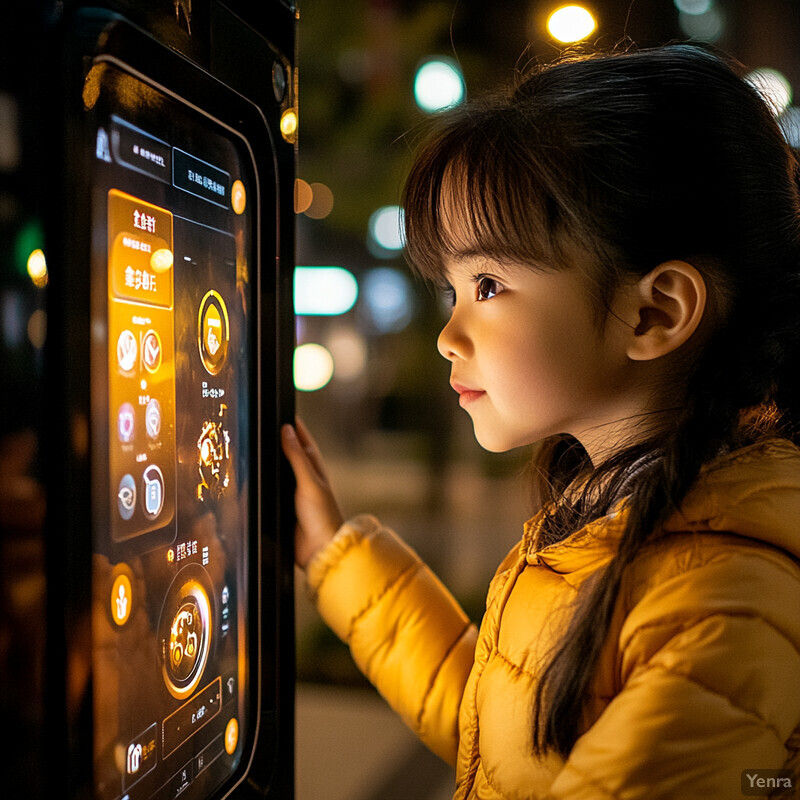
x,y
406,632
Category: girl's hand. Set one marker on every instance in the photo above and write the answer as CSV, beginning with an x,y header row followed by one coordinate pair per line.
x,y
318,514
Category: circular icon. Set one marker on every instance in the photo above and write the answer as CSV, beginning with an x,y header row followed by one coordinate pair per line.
x,y
185,632
186,640
121,598
238,197
151,351
125,420
126,351
153,497
152,418
126,496
161,260
231,735
213,332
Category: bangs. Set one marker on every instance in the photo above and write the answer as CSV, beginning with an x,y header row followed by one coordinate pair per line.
x,y
477,188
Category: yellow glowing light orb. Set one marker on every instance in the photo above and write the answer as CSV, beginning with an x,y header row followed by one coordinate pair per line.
x,y
313,367
289,124
570,24
37,268
161,260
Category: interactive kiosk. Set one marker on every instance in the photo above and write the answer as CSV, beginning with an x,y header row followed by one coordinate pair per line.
x,y
168,234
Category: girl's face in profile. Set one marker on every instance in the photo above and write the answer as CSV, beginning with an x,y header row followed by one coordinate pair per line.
x,y
529,358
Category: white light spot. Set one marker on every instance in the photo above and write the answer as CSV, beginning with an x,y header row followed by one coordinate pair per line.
x,y
439,84
773,87
313,367
570,24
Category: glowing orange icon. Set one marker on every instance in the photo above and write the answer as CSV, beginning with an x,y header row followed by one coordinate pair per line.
x,y
151,351
121,599
238,197
213,332
231,736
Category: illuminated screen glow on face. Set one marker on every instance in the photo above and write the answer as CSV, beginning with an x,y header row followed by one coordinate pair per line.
x,y
173,424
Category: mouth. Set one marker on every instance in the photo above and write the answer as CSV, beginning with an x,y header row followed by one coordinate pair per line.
x,y
467,395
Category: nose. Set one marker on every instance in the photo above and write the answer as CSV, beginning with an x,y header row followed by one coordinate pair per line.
x,y
452,343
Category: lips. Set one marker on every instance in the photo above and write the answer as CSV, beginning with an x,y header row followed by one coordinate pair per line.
x,y
466,395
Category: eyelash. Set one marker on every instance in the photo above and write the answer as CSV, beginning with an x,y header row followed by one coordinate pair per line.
x,y
480,280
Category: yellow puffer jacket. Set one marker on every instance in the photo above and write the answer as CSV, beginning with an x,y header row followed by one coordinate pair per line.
x,y
699,682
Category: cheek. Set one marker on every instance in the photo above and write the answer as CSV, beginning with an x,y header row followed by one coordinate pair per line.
x,y
556,360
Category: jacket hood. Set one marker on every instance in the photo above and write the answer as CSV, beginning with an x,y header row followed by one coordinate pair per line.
x,y
752,492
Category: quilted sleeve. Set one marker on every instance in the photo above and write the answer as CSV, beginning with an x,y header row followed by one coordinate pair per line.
x,y
710,685
406,632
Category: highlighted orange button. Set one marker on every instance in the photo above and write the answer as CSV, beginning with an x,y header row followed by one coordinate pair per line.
x,y
121,599
238,197
231,735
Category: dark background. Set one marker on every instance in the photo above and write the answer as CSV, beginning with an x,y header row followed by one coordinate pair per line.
x,y
395,439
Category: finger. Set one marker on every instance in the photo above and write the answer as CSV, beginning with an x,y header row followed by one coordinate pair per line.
x,y
297,455
310,446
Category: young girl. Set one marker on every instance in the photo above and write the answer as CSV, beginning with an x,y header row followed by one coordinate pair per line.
x,y
620,237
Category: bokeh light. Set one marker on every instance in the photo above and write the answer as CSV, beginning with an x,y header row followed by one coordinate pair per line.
x,y
439,84
324,291
37,268
388,299
386,230
321,201
570,24
789,122
313,367
707,26
694,7
349,350
303,195
773,86
37,328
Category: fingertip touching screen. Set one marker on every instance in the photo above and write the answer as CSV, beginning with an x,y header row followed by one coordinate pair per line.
x,y
174,435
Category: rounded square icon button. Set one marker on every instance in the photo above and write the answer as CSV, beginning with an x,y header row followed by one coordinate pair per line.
x,y
126,351
126,496
121,599
125,422
153,498
152,418
151,351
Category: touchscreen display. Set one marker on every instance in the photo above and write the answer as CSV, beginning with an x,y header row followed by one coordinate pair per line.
x,y
174,432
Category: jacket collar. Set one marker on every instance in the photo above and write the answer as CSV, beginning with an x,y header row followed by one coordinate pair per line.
x,y
753,492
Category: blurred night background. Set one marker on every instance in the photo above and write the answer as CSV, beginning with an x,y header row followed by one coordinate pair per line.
x,y
371,385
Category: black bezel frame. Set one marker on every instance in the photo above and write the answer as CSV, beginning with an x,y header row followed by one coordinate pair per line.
x,y
87,36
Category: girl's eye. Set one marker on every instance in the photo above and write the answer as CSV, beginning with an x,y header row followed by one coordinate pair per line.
x,y
488,288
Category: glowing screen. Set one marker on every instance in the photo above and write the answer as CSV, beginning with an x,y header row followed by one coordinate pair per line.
x,y
174,399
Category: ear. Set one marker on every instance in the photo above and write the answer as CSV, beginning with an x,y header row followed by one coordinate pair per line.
x,y
669,303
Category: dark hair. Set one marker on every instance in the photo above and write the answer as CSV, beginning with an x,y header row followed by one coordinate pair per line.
x,y
637,158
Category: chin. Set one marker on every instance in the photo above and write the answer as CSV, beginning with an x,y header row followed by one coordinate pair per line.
x,y
498,444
